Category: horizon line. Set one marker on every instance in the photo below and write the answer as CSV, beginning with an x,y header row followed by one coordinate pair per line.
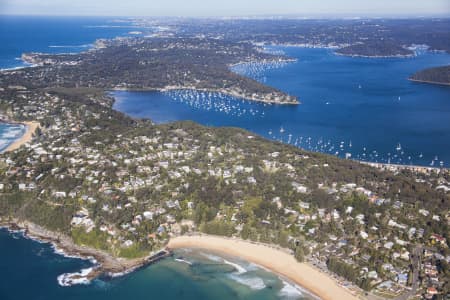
x,y
255,16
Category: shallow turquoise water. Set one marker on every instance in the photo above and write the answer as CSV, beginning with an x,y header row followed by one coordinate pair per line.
x,y
30,270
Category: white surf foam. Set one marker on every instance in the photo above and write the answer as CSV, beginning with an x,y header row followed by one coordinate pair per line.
x,y
212,257
183,261
61,252
120,274
69,279
255,283
239,268
12,132
290,291
70,46
294,291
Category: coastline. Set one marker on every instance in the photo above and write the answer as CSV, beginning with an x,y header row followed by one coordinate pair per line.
x,y
375,56
31,127
336,49
104,264
429,82
397,167
315,282
271,258
222,91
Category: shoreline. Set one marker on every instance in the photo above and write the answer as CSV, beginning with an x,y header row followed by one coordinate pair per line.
x,y
274,259
396,167
221,91
375,56
103,263
429,82
336,48
30,129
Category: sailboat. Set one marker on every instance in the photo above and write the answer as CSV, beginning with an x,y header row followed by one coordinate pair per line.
x,y
399,147
281,129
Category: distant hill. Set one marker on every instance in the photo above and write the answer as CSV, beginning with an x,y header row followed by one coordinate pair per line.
x,y
437,75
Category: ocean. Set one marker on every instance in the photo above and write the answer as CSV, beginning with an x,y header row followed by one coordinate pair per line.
x,y
9,133
200,276
19,34
30,270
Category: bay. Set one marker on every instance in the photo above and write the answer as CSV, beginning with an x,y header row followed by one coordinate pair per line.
x,y
362,107
30,270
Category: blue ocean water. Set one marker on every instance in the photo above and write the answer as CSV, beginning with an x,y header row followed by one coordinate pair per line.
x,y
29,270
361,107
9,133
19,34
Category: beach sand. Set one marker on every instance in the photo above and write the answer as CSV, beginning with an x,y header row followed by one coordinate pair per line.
x,y
25,138
273,259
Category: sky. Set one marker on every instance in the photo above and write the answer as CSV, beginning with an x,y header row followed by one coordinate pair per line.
x,y
216,8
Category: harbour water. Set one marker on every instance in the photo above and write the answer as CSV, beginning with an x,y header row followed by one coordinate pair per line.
x,y
362,108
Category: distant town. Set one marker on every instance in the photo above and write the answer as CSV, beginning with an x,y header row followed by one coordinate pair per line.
x,y
123,187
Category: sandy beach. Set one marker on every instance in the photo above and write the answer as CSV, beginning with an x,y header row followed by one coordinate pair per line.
x,y
273,259
25,138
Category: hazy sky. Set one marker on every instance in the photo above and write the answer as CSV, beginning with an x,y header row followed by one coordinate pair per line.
x,y
226,7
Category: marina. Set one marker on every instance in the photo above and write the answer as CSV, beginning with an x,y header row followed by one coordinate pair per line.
x,y
363,121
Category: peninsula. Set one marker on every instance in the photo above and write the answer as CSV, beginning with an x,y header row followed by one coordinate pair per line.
x,y
154,64
438,75
102,184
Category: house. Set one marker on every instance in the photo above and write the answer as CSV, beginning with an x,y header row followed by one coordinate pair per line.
x,y
349,210
436,238
372,275
402,278
432,291
299,188
405,255
303,205
59,194
251,180
127,243
388,245
148,215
